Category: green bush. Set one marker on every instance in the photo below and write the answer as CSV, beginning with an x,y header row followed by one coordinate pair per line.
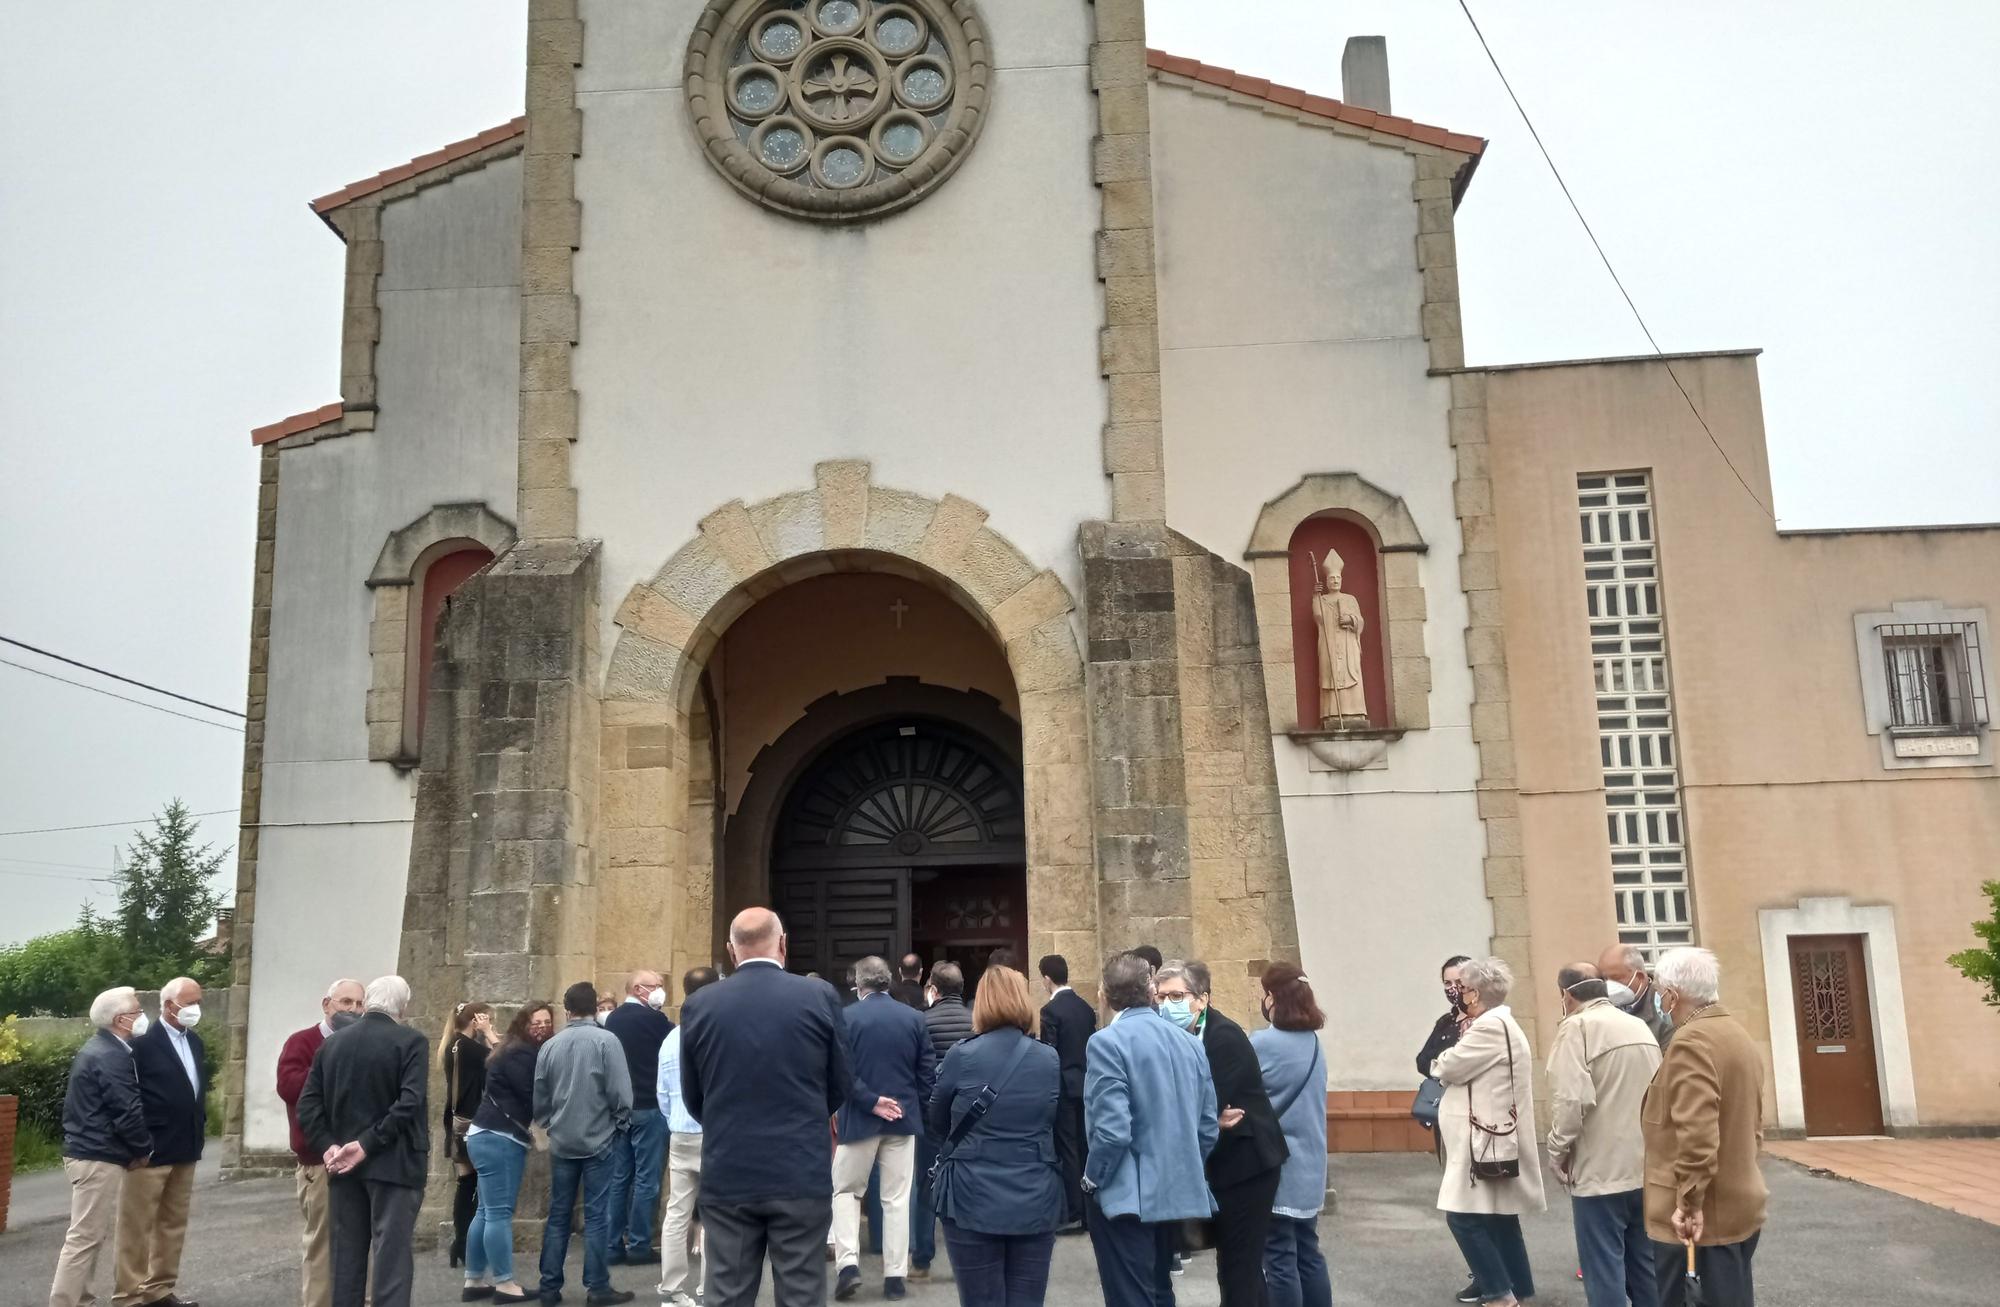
x,y
39,1077
35,1150
1982,965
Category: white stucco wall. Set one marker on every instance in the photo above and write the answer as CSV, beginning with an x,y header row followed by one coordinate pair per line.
x,y
336,835
726,349
1290,344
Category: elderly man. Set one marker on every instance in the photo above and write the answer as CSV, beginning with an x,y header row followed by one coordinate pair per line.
x,y
1703,1120
153,1210
365,1110
583,1098
1622,964
104,1137
1149,1108
763,1065
683,1157
1598,1071
640,1026
341,1007
894,1065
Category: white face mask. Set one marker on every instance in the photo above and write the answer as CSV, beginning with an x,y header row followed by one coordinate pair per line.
x,y
602,1017
1620,995
189,1016
656,999
140,1025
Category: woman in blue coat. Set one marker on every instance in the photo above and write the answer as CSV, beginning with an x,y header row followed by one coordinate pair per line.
x,y
998,1190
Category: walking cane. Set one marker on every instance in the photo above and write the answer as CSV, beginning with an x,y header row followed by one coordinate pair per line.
x,y
1693,1297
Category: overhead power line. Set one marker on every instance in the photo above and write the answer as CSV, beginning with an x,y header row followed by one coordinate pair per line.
x,y
184,698
185,716
1616,280
105,825
56,875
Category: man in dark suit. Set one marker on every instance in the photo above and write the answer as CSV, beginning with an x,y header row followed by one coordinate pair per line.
x,y
890,1052
153,1209
763,1065
908,986
365,1109
1067,1025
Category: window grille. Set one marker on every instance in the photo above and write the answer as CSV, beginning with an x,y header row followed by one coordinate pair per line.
x,y
1635,723
1936,675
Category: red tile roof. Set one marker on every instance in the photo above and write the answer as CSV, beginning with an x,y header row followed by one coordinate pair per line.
x,y
1291,97
422,163
296,423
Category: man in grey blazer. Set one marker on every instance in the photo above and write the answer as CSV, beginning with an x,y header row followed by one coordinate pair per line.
x,y
1141,1078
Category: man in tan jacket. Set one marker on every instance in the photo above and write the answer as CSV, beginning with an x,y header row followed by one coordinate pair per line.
x,y
1599,1068
1704,1126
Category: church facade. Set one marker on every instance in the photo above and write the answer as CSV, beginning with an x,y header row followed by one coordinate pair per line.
x,y
970,481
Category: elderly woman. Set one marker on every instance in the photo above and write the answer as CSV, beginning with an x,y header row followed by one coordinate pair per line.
x,y
1487,1123
1703,1122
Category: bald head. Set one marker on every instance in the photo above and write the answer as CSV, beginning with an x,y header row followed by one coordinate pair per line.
x,y
1624,964
757,933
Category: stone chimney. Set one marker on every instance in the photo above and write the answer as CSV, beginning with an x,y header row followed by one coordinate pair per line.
x,y
1364,73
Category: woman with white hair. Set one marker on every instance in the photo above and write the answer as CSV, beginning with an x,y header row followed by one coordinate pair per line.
x,y
1487,1123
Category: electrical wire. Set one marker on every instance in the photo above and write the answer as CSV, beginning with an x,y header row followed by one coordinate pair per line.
x,y
56,875
105,825
1616,280
73,866
199,703
36,671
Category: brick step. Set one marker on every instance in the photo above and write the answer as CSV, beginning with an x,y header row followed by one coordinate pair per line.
x,y
1373,1121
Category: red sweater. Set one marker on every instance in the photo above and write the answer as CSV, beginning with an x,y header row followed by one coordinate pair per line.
x,y
293,1064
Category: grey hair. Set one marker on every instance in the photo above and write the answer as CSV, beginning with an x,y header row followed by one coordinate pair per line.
x,y
110,1005
389,994
170,992
1490,978
871,974
1693,973
1634,959
1128,982
1175,969
334,988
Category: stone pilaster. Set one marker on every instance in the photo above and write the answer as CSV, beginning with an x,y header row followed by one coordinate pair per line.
x,y
551,227
1139,779
249,819
1122,160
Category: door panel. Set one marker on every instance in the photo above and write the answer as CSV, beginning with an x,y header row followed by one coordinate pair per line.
x,y
835,918
1843,1094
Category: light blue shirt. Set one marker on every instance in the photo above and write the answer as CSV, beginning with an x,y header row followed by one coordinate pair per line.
x,y
179,1039
668,1088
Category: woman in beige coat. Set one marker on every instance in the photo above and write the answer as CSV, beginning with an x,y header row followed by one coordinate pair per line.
x,y
1488,1116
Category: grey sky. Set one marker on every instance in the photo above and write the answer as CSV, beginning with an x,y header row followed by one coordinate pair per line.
x,y
1814,178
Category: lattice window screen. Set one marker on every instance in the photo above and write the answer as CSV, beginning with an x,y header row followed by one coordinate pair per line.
x,y
1635,723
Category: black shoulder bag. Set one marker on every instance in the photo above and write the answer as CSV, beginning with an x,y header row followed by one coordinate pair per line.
x,y
982,1103
1490,1167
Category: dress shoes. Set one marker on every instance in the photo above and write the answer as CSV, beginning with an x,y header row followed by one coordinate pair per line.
x,y
173,1300
848,1284
892,1288
608,1297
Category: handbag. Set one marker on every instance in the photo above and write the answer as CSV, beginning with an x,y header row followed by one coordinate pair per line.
x,y
1490,1167
1428,1102
982,1103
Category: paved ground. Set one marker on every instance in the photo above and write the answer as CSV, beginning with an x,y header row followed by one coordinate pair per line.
x,y
1829,1241
1959,1175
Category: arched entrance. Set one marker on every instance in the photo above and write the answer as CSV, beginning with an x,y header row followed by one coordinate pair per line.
x,y
905,835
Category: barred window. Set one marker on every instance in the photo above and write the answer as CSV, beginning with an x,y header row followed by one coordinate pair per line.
x,y
1935,675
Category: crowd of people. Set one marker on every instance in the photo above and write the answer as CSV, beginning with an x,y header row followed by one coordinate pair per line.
x,y
780,1111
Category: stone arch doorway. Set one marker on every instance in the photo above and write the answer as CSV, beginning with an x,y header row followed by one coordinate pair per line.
x,y
885,821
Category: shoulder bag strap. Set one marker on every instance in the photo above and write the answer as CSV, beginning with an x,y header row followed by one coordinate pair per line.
x,y
981,1104
1293,1097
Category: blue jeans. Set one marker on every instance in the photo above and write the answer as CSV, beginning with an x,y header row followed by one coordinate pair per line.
x,y
923,1217
999,1270
1295,1273
635,1186
594,1174
1612,1248
1494,1250
489,1240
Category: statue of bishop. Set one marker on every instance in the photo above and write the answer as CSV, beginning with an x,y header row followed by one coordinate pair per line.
x,y
1343,701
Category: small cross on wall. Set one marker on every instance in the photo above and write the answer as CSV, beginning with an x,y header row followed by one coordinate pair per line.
x,y
898,609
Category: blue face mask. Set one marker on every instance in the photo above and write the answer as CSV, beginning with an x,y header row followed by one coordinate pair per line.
x,y
1180,1011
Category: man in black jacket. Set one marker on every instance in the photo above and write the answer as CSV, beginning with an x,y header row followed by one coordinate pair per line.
x,y
908,986
173,1092
1067,1025
365,1108
763,1066
104,1137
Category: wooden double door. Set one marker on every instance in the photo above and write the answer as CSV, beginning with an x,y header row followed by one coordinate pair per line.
x,y
836,917
1837,1069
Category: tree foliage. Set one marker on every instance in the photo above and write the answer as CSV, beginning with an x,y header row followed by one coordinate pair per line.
x,y
167,905
1982,965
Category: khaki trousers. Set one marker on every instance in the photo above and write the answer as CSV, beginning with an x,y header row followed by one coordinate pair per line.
x,y
676,1234
315,1246
152,1226
93,1227
897,1155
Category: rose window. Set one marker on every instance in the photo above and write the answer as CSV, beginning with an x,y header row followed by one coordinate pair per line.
x,y
838,108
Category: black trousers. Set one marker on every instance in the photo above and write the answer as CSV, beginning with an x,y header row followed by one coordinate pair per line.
x,y
736,1237
1072,1151
1242,1224
1724,1270
464,1202
369,1225
1135,1258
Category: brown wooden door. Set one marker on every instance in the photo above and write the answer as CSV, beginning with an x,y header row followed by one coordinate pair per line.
x,y
833,919
1843,1091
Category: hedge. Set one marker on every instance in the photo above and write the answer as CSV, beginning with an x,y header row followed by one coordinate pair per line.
x,y
40,1078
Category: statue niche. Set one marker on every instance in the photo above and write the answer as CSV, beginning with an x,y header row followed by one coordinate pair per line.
x,y
1337,626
